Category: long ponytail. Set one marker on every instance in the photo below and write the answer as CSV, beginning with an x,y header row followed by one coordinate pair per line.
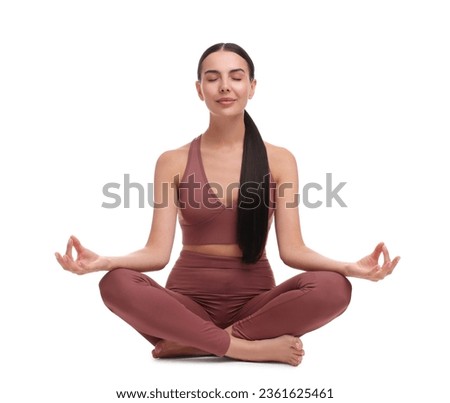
x,y
254,194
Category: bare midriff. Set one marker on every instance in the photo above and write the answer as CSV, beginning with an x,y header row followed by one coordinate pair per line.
x,y
216,249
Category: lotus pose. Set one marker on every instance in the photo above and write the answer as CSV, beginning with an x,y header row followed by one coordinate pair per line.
x,y
226,187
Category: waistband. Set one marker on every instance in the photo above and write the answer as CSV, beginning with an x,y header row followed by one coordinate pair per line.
x,y
189,258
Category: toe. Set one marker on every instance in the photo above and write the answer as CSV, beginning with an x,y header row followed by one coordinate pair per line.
x,y
156,351
298,345
295,361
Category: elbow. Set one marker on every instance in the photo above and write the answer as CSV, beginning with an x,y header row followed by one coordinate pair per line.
x,y
163,263
287,259
160,263
155,259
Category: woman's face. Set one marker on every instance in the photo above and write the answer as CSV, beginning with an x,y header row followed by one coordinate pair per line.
x,y
225,84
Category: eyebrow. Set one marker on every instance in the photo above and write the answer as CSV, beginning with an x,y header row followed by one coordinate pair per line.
x,y
239,70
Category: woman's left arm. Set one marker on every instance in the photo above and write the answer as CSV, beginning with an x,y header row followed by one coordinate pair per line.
x,y
292,248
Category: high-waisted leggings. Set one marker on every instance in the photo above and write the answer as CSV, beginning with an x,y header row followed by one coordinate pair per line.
x,y
205,294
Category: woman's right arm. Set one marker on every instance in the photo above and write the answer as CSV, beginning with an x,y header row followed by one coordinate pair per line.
x,y
156,253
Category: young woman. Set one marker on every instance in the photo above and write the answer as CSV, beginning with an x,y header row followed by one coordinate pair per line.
x,y
226,187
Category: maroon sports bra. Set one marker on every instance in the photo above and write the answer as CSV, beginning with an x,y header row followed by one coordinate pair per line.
x,y
203,218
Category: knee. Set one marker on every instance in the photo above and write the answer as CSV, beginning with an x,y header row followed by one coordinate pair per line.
x,y
338,289
112,283
332,288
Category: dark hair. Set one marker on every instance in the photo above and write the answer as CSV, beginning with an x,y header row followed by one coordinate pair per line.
x,y
254,195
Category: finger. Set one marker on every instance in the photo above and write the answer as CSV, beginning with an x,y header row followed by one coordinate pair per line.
x,y
76,243
388,267
393,264
61,261
70,264
69,248
83,266
375,274
385,270
386,254
377,251
65,262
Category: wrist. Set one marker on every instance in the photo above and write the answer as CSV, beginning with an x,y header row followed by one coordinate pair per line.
x,y
349,269
109,263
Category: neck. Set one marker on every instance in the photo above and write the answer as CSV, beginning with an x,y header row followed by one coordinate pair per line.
x,y
225,131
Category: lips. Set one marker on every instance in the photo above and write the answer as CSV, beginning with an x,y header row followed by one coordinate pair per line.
x,y
226,101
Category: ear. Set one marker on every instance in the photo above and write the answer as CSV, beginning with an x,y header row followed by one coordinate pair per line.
x,y
199,90
252,89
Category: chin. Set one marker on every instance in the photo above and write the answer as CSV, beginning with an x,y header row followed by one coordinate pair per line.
x,y
229,112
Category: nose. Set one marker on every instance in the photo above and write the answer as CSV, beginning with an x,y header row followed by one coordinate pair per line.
x,y
224,87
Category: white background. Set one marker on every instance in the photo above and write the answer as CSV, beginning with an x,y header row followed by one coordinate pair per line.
x,y
92,90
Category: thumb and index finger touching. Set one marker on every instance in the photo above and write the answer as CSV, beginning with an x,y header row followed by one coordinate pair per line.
x,y
382,249
73,242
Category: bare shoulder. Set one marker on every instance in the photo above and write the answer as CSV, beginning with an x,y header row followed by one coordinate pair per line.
x,y
173,162
281,160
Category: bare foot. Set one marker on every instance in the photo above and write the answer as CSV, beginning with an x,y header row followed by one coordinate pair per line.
x,y
286,349
170,349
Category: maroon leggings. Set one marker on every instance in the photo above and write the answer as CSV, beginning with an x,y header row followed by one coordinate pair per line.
x,y
205,294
